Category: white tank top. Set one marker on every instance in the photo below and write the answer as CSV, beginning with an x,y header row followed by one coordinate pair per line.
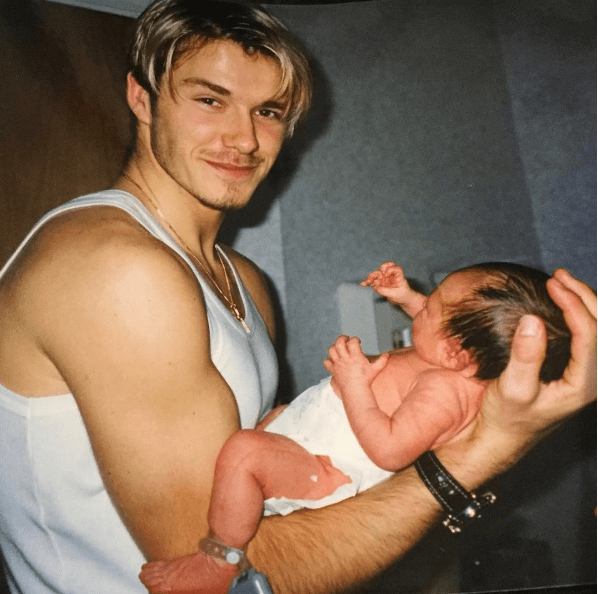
x,y
59,532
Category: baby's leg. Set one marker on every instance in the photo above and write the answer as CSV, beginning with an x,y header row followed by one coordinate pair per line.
x,y
252,466
256,465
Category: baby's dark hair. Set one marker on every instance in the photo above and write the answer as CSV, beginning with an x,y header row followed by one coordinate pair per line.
x,y
485,321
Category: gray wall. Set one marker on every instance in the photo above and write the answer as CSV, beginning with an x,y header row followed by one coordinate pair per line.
x,y
416,158
441,134
549,53
412,152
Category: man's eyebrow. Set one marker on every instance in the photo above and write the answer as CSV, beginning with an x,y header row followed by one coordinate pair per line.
x,y
273,105
194,81
202,82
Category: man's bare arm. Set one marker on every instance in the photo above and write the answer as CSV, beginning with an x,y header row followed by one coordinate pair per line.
x,y
130,338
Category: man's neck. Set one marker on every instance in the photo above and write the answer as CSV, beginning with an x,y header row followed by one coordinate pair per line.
x,y
194,224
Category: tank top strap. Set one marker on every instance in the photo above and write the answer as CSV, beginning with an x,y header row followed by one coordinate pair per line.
x,y
116,198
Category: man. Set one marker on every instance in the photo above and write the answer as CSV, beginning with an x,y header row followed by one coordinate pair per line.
x,y
157,342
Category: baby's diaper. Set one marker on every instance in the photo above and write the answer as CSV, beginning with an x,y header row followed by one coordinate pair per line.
x,y
317,421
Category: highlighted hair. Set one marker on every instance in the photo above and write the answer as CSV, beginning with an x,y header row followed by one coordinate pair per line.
x,y
169,30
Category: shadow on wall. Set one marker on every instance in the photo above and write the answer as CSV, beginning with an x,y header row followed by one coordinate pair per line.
x,y
3,584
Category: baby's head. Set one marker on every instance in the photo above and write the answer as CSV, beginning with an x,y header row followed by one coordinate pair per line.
x,y
484,320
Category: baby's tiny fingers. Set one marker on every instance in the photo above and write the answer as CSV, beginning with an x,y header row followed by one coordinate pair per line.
x,y
371,278
354,345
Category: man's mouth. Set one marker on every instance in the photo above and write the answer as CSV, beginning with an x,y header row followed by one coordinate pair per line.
x,y
232,170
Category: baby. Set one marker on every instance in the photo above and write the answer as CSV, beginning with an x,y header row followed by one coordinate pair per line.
x,y
373,416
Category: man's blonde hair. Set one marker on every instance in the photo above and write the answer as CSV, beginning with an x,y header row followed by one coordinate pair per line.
x,y
169,29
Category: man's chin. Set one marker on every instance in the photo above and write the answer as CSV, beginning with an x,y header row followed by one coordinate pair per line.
x,y
225,204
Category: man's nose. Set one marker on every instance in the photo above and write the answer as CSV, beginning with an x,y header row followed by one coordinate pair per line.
x,y
240,133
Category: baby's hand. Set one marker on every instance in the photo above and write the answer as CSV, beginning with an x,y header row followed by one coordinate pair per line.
x,y
390,282
348,365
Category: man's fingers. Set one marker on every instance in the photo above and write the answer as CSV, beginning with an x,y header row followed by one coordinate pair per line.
x,y
585,293
578,303
520,380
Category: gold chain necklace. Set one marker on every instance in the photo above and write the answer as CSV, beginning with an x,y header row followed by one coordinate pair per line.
x,y
230,303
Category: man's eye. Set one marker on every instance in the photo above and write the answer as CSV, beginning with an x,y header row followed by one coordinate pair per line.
x,y
270,114
209,101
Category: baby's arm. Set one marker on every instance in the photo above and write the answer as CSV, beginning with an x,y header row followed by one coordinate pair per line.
x,y
390,282
430,411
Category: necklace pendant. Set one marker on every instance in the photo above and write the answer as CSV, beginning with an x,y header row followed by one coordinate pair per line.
x,y
237,314
245,326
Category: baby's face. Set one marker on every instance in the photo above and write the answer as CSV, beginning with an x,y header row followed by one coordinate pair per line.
x,y
428,324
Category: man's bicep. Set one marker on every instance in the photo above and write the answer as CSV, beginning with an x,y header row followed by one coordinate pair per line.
x,y
156,409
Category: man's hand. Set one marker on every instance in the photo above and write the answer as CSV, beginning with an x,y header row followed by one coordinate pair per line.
x,y
398,511
516,404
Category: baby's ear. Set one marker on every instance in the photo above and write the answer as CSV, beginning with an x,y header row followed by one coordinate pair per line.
x,y
458,359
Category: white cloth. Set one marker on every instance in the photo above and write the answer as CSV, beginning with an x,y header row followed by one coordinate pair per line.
x,y
59,532
316,420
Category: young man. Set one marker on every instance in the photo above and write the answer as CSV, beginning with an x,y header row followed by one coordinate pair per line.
x,y
132,347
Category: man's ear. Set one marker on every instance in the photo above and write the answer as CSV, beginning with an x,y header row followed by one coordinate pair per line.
x,y
457,359
139,100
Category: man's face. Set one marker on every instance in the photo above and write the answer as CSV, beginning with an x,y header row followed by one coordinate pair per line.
x,y
218,134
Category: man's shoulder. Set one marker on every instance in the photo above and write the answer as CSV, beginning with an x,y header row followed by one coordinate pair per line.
x,y
90,239
84,253
244,266
252,276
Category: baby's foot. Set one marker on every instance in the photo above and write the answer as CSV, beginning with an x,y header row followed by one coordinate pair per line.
x,y
194,574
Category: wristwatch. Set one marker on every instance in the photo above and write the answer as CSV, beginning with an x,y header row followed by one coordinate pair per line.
x,y
462,505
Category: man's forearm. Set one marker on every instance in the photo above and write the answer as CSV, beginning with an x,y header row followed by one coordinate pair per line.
x,y
326,550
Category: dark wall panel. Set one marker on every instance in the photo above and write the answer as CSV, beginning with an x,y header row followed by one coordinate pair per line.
x,y
62,110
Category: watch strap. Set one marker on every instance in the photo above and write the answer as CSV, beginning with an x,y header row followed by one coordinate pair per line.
x,y
461,504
